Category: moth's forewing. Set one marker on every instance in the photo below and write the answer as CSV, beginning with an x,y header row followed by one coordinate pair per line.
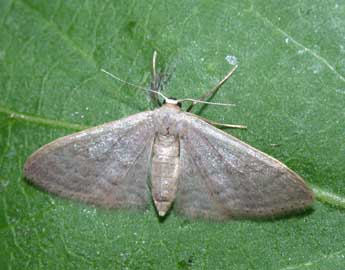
x,y
194,198
235,179
106,165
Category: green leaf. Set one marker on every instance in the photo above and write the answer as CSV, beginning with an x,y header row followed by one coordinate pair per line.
x,y
289,91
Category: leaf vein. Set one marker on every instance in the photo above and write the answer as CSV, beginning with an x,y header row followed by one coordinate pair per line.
x,y
63,35
325,196
310,263
40,120
6,13
298,44
95,30
43,82
72,253
12,229
69,94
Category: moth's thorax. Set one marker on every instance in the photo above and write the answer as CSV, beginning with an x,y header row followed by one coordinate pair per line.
x,y
165,171
166,120
171,106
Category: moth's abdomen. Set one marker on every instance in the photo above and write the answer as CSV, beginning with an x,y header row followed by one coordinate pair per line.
x,y
165,171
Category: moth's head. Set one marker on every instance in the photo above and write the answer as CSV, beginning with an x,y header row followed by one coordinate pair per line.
x,y
172,102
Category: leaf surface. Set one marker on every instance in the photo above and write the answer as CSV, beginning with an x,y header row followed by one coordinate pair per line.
x,y
289,91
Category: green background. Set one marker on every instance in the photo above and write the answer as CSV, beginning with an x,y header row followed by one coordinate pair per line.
x,y
289,90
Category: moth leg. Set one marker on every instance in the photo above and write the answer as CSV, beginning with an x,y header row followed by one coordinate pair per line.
x,y
217,124
155,82
213,91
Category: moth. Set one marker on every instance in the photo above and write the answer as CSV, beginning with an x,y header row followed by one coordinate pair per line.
x,y
172,157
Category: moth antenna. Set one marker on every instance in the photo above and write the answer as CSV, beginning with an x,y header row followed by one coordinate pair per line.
x,y
214,90
168,100
154,59
194,101
132,84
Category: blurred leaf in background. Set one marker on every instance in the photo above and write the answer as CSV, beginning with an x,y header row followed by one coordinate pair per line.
x,y
289,91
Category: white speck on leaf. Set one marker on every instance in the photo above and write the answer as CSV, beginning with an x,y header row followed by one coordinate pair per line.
x,y
3,185
2,55
302,51
231,59
287,40
316,48
317,68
